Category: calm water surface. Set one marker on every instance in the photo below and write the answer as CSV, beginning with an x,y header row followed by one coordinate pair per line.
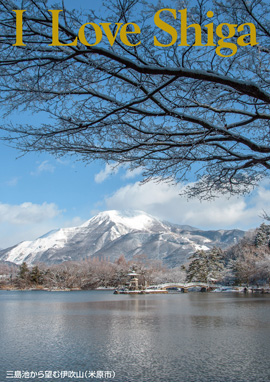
x,y
193,337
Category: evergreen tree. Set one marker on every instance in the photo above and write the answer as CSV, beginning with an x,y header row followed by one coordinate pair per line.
x,y
23,271
263,235
36,275
205,265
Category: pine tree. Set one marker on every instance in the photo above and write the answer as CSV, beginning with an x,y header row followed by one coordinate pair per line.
x,y
205,265
36,275
262,235
23,271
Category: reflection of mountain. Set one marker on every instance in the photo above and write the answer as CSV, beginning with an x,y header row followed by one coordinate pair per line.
x,y
112,233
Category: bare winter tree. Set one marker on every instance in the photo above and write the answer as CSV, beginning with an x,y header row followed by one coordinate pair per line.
x,y
264,215
249,259
178,112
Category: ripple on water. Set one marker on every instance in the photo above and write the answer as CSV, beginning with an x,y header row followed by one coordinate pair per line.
x,y
166,338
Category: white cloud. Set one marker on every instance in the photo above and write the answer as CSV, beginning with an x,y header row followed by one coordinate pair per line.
x,y
110,169
133,173
44,166
113,169
163,200
74,222
64,162
27,221
27,213
13,181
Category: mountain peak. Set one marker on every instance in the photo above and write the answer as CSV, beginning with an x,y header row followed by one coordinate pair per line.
x,y
132,219
112,233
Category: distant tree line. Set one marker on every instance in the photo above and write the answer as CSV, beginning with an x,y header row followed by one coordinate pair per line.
x,y
87,274
245,263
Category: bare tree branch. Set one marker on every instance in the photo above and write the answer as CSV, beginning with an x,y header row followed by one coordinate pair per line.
x,y
182,113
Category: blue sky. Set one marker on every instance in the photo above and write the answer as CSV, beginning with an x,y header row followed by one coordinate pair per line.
x,y
39,193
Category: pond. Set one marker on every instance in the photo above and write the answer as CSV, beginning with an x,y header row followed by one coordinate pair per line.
x,y
98,336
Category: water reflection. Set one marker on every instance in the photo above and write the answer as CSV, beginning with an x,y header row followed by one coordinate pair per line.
x,y
165,338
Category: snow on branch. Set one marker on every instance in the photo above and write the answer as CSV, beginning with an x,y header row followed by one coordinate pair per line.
x,y
180,111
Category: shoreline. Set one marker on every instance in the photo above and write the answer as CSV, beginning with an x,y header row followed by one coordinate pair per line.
x,y
237,289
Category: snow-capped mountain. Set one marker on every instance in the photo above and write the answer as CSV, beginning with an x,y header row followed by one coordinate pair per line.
x,y
113,233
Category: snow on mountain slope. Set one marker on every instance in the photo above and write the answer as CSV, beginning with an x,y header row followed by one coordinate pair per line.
x,y
29,249
112,233
128,220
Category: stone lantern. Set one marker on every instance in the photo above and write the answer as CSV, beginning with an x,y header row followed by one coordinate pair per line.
x,y
133,281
